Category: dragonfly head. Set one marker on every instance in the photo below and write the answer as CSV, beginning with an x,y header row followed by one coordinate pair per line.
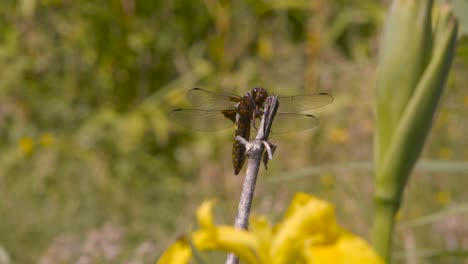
x,y
259,94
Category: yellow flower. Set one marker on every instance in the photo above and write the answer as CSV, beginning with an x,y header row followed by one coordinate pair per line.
x,y
445,153
307,219
46,139
225,238
204,215
398,215
179,252
308,234
347,249
327,180
265,46
26,145
338,135
443,197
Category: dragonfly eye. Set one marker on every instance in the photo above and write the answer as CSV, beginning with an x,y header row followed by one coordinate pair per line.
x,y
260,95
254,92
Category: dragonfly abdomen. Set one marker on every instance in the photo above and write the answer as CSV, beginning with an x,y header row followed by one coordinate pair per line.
x,y
243,121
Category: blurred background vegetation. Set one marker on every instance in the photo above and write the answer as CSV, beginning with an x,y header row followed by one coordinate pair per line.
x,y
92,171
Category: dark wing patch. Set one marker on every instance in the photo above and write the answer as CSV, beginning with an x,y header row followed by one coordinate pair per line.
x,y
230,114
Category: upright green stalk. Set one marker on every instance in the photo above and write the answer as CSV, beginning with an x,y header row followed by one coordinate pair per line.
x,y
414,62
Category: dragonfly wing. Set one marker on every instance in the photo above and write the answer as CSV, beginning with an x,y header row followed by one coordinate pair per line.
x,y
203,120
305,102
293,122
204,99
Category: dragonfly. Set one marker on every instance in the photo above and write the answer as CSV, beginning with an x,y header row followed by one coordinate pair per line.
x,y
218,111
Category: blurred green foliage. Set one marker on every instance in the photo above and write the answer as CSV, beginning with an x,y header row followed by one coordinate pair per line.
x,y
87,153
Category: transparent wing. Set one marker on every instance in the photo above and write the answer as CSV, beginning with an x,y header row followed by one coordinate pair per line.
x,y
291,122
203,120
204,99
305,102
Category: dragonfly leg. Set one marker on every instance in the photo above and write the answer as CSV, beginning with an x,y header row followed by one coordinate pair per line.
x,y
254,124
254,117
256,113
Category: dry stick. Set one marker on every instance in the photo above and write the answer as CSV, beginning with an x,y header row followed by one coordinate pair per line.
x,y
255,151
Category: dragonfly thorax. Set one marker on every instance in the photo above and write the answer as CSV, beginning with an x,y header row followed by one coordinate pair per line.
x,y
259,95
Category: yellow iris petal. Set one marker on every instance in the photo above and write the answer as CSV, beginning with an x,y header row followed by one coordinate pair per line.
x,y
307,218
228,239
179,253
261,228
223,238
205,215
348,249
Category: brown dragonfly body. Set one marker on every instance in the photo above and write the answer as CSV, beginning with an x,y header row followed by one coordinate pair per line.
x,y
248,108
243,111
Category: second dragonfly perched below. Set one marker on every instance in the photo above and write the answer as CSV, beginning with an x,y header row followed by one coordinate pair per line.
x,y
214,109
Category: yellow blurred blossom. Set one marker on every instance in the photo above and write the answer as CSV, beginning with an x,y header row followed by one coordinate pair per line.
x,y
46,139
398,215
338,135
346,249
307,234
445,153
443,197
204,216
26,145
179,252
226,238
327,180
265,46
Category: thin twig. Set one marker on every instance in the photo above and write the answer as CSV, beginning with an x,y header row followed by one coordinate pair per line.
x,y
255,151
